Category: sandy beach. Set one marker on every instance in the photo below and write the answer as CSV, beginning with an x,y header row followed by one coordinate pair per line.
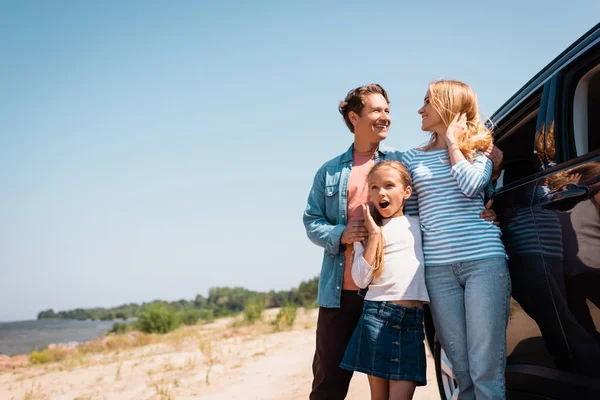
x,y
222,360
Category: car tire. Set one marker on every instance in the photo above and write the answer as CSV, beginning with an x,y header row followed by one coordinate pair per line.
x,y
443,372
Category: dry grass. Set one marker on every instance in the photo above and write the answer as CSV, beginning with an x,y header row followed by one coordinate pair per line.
x,y
210,357
166,366
48,355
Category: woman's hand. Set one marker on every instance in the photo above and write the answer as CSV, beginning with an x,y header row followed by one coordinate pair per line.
x,y
457,128
370,224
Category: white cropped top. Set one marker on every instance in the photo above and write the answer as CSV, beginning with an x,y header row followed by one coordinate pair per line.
x,y
403,275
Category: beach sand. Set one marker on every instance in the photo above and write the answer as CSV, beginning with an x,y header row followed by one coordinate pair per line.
x,y
243,362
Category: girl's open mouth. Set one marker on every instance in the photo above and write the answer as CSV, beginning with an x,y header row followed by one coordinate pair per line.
x,y
384,204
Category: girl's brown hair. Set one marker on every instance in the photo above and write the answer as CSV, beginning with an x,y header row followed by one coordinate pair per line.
x,y
451,97
404,177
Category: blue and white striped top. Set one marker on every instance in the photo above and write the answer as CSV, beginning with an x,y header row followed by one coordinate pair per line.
x,y
448,200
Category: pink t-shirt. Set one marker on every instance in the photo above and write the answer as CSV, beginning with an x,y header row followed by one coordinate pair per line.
x,y
358,193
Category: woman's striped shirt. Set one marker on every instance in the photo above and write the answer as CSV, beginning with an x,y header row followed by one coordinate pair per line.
x,y
448,200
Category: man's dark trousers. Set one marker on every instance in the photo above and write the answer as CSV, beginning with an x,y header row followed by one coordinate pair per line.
x,y
334,330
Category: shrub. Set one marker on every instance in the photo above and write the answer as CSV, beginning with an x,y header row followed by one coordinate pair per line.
x,y
190,316
47,355
119,328
285,317
158,318
253,310
207,315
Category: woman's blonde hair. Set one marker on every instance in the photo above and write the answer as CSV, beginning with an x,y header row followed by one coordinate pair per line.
x,y
451,97
404,177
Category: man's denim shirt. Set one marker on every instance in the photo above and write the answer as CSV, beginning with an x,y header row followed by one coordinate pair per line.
x,y
325,219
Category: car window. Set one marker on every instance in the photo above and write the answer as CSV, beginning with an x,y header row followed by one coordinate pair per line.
x,y
585,106
517,139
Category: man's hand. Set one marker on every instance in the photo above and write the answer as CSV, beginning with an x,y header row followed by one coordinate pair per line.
x,y
355,232
488,214
496,155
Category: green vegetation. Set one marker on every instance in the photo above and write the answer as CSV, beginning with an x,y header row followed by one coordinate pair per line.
x,y
221,301
190,316
158,318
119,328
253,310
285,317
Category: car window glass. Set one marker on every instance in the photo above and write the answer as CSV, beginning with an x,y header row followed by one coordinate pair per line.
x,y
518,145
586,119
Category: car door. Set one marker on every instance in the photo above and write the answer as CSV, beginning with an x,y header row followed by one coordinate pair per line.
x,y
535,343
569,197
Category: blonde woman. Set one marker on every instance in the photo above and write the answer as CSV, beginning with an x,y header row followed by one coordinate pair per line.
x,y
465,261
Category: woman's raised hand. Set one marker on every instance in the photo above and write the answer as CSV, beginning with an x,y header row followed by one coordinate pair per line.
x,y
457,127
372,227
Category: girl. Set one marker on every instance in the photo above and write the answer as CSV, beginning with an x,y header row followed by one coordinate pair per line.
x,y
465,262
387,343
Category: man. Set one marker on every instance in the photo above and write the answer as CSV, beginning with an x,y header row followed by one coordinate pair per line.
x,y
333,220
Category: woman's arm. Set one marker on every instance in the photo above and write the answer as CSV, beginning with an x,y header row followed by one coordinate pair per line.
x,y
472,178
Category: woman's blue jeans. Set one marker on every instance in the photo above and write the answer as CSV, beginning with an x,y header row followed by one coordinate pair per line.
x,y
470,303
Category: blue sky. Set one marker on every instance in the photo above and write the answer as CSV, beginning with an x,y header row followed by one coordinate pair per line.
x,y
153,149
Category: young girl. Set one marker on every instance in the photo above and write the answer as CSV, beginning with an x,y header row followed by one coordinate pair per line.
x,y
387,343
465,261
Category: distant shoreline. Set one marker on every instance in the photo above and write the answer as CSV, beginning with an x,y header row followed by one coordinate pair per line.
x,y
21,337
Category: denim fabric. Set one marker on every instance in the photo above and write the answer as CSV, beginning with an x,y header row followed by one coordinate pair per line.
x,y
470,303
388,343
325,219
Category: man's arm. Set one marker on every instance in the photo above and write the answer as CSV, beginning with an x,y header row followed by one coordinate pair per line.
x,y
497,157
319,230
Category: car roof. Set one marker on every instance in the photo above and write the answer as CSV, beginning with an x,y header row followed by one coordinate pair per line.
x,y
587,40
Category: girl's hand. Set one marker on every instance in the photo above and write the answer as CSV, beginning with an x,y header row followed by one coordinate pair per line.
x,y
370,224
457,128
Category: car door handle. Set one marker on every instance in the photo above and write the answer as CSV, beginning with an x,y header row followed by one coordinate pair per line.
x,y
564,199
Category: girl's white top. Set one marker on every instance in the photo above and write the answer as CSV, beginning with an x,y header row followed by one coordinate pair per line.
x,y
403,275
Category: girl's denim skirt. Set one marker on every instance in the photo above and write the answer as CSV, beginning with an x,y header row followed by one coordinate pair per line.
x,y
388,343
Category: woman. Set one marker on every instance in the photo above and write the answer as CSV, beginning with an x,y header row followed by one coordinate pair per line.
x,y
465,262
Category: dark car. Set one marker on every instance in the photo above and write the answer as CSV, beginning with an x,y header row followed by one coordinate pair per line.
x,y
548,202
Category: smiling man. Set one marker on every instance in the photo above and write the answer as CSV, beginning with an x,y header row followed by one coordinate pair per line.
x,y
333,219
